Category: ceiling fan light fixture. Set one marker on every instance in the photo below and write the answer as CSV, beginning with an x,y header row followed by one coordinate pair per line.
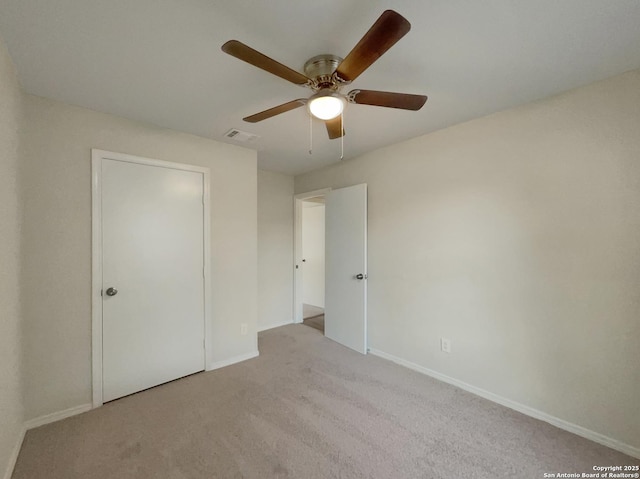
x,y
326,105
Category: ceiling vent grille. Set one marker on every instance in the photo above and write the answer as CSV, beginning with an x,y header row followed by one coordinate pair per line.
x,y
241,136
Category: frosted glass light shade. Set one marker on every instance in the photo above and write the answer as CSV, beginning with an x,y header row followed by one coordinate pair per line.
x,y
326,107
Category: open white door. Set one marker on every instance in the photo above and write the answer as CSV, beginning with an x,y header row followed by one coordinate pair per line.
x,y
346,267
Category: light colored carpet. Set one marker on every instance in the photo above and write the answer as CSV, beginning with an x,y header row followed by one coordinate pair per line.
x,y
306,408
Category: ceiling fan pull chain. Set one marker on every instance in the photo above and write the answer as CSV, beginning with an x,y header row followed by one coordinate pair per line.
x,y
310,135
342,135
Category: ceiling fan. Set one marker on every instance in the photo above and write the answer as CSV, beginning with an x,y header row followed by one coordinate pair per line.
x,y
327,74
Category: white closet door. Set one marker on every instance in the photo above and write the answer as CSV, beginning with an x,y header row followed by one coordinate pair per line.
x,y
153,283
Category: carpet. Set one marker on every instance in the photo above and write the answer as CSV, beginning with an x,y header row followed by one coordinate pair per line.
x,y
306,408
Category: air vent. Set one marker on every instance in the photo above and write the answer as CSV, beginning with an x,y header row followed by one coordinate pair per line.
x,y
241,136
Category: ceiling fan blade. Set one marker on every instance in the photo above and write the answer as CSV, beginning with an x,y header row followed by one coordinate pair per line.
x,y
276,110
334,128
404,101
385,32
253,57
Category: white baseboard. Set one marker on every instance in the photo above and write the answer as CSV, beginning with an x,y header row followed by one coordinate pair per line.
x,y
57,416
234,360
529,411
274,325
14,455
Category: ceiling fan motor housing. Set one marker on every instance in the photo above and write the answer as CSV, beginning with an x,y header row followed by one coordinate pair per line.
x,y
320,69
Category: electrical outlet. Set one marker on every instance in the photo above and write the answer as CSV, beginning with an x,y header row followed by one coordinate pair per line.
x,y
244,328
445,345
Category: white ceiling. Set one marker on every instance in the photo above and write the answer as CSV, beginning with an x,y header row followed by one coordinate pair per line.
x,y
160,61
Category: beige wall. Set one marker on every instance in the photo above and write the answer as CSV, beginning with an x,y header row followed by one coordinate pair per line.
x,y
517,237
11,411
275,249
56,239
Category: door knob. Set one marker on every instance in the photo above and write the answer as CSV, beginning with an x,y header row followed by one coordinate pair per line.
x,y
111,291
360,276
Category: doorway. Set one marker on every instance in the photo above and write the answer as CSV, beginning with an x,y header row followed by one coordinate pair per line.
x,y
313,258
303,202
345,264
150,273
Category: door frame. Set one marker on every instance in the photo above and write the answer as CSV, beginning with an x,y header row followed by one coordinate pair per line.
x,y
97,157
297,249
